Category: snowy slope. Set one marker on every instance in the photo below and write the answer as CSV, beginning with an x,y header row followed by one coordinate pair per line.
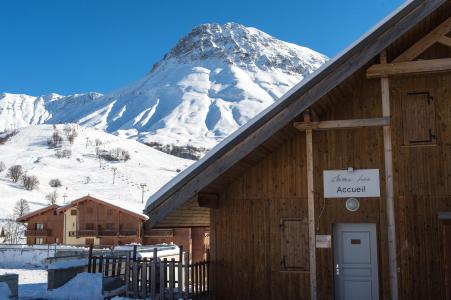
x,y
213,81
29,149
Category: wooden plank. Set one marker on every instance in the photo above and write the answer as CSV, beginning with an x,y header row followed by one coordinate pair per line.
x,y
288,109
153,274
180,274
171,278
135,279
409,67
311,208
424,43
342,124
144,281
389,192
444,40
162,277
186,260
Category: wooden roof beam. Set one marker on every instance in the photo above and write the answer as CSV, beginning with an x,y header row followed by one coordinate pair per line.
x,y
342,124
427,41
444,40
409,67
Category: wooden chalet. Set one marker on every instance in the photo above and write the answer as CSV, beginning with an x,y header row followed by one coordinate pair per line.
x,y
91,221
342,188
44,226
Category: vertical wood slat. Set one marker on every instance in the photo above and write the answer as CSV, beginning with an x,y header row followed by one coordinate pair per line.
x,y
135,278
162,277
180,274
90,260
186,260
388,162
171,278
201,281
153,274
127,274
119,267
192,277
144,279
198,279
101,264
94,262
107,269
113,267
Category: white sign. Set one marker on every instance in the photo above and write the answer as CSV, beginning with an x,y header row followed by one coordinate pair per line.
x,y
351,183
323,241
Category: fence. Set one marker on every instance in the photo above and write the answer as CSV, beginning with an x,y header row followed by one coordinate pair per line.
x,y
154,277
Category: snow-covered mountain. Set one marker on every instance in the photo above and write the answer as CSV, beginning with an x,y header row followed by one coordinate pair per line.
x,y
82,173
213,81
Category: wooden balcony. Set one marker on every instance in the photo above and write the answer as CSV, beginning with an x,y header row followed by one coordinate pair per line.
x,y
87,232
37,232
106,232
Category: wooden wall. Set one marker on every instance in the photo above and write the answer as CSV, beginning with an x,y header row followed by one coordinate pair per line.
x,y
245,233
52,222
100,215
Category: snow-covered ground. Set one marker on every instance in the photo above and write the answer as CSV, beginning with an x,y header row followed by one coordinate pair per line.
x,y
29,149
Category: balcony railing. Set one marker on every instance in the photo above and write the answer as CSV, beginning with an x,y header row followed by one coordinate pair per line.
x,y
87,232
37,232
107,232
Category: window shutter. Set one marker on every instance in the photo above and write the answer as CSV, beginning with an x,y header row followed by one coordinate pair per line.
x,y
418,118
294,244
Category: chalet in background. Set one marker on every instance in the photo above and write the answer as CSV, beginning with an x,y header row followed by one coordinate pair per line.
x,y
44,226
91,221
342,188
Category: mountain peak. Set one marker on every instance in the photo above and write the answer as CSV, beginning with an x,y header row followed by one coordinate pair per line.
x,y
236,44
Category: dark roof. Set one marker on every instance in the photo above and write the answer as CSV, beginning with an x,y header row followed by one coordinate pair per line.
x,y
26,217
290,105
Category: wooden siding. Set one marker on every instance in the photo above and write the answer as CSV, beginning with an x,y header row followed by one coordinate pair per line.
x,y
245,227
53,226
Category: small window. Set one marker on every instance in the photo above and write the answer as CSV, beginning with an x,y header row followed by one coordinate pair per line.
x,y
39,226
89,226
418,118
72,233
39,241
294,244
73,212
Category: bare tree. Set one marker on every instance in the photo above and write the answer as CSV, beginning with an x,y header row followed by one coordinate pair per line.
x,y
15,172
30,182
52,197
55,140
21,208
2,166
71,133
14,231
98,142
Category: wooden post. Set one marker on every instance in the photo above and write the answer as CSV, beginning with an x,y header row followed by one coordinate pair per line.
x,y
162,277
171,278
311,208
144,279
180,273
389,194
186,275
90,259
135,247
153,276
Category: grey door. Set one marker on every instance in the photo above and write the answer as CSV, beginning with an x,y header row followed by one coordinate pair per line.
x,y
355,261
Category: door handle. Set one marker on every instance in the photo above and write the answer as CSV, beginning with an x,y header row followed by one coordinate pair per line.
x,y
337,270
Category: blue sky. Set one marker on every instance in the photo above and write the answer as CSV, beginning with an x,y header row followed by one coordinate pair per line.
x,y
100,45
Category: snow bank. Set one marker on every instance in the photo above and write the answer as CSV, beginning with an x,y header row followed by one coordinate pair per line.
x,y
83,286
5,292
147,251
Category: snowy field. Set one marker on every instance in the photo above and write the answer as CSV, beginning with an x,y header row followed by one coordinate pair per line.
x,y
29,149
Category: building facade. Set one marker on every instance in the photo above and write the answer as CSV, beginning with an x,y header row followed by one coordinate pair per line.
x,y
342,190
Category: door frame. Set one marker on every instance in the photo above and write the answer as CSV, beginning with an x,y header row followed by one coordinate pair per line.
x,y
376,234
